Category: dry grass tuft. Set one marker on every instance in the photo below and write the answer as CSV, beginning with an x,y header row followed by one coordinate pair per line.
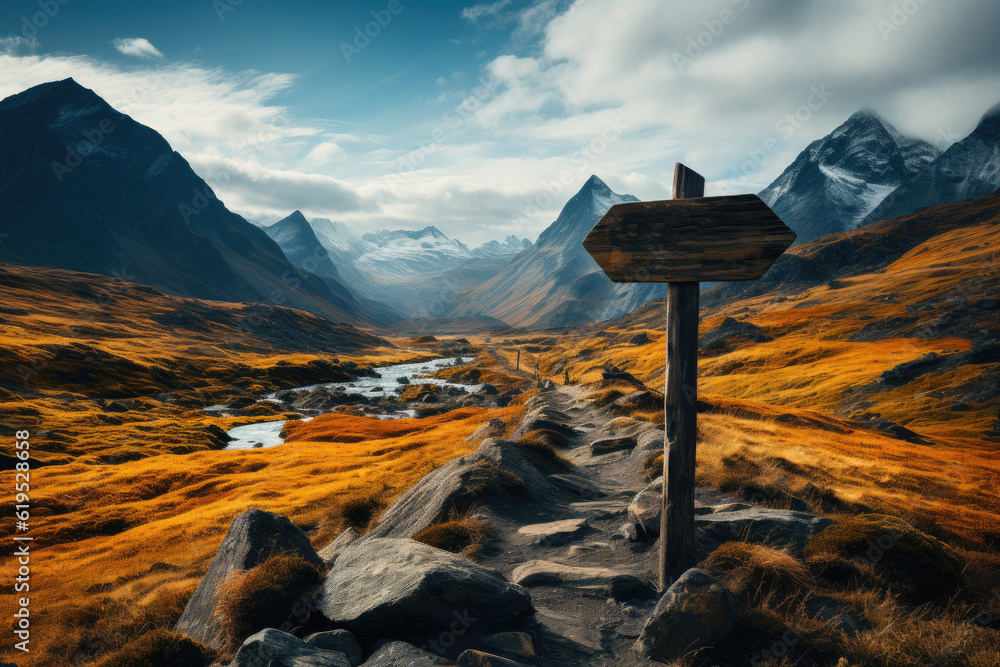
x,y
464,536
360,511
160,648
755,573
263,597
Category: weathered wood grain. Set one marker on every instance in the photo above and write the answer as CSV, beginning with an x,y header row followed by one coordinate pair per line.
x,y
680,394
684,240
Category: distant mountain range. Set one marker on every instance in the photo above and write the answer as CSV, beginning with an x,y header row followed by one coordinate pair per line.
x,y
969,169
838,180
865,171
557,283
414,272
84,187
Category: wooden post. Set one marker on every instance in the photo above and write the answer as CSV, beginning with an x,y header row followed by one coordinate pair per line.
x,y
680,410
519,360
685,241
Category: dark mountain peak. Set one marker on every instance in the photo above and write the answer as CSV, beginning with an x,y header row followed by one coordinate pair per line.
x,y
56,93
865,115
596,185
295,219
991,119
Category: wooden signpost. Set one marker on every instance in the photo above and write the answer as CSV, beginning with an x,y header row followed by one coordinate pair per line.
x,y
684,241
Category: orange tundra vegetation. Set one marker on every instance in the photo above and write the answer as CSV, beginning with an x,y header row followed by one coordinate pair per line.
x,y
126,546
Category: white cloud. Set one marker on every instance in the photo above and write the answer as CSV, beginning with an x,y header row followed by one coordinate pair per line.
x,y
16,45
138,47
489,14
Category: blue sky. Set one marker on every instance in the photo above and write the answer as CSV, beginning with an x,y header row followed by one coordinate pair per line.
x,y
483,119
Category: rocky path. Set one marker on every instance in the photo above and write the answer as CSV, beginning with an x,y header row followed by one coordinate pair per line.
x,y
565,578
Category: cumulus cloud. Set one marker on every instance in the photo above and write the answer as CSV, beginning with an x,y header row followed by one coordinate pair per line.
x,y
138,47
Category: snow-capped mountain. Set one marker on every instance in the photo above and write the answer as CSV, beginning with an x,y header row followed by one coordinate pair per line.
x,y
556,282
839,179
496,250
340,238
399,253
970,168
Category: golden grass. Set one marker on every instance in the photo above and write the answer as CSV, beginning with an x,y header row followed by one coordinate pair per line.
x,y
264,597
170,532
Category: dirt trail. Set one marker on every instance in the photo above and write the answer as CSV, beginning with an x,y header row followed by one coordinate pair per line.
x,y
585,617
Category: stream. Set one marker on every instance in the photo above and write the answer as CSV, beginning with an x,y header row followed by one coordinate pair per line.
x,y
268,434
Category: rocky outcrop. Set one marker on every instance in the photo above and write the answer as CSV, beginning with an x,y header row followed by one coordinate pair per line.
x,y
758,525
252,537
274,648
497,473
695,612
399,587
347,537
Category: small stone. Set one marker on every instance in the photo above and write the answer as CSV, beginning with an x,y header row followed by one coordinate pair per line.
x,y
338,640
279,649
512,643
554,533
472,658
601,580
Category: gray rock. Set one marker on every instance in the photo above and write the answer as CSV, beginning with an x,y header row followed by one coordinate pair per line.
x,y
346,537
695,612
399,587
600,580
338,640
600,509
645,509
639,400
497,473
273,648
401,654
494,428
554,533
759,525
586,548
610,445
472,658
577,485
252,537
512,643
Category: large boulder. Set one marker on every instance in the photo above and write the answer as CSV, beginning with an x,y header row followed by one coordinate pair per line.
x,y
497,472
347,536
399,587
759,525
274,648
401,654
252,537
695,612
